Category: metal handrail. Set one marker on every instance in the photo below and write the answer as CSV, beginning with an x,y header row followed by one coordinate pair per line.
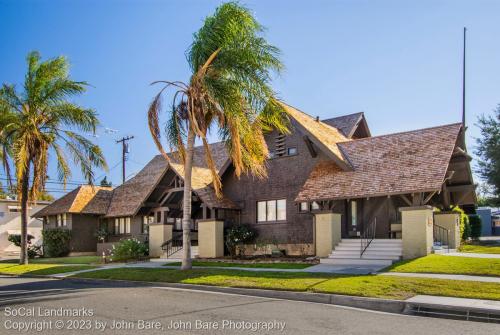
x,y
173,245
368,236
441,236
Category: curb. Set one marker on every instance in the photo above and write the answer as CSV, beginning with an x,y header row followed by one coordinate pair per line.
x,y
375,304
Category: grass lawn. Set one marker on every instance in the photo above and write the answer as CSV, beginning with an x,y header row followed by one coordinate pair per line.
x,y
368,286
62,260
480,249
40,269
450,265
247,265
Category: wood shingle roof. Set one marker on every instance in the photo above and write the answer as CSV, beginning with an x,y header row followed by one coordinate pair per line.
x,y
413,161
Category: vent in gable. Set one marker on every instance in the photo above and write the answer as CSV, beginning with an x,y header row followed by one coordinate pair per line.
x,y
279,145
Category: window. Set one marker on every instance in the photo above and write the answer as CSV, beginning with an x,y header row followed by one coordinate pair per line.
x,y
158,217
122,226
61,220
304,207
354,213
314,205
271,210
291,151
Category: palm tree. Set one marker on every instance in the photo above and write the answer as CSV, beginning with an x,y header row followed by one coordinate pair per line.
x,y
229,90
39,121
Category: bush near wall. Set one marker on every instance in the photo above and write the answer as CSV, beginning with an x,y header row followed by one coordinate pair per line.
x,y
475,226
56,242
464,223
33,250
129,249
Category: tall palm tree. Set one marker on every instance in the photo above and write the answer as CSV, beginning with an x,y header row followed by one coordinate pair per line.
x,y
229,90
40,121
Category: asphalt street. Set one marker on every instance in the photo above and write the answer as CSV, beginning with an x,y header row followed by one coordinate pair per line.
x,y
47,306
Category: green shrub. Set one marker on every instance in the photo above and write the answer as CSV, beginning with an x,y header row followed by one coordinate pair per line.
x,y
236,236
56,242
464,223
33,250
475,226
129,249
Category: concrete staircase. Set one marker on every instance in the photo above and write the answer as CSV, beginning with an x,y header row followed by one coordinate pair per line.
x,y
380,252
177,255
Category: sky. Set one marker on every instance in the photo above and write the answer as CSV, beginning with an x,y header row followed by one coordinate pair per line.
x,y
399,62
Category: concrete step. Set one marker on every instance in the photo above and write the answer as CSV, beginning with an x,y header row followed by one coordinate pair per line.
x,y
376,240
372,243
368,252
341,247
366,257
353,261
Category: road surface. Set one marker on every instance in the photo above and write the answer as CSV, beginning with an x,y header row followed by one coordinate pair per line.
x,y
47,306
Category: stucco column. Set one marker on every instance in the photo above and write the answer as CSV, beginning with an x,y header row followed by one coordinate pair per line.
x,y
327,232
450,221
417,231
158,234
210,238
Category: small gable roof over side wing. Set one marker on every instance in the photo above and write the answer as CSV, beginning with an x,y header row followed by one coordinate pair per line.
x,y
414,161
347,124
322,135
77,201
128,198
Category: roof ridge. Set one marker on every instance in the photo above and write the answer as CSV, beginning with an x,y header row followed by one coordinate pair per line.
x,y
315,119
338,117
401,132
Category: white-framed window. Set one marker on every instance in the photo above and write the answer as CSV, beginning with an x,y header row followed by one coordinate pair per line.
x,y
61,220
271,210
314,205
122,226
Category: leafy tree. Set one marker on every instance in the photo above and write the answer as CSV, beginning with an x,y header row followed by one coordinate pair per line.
x,y
42,119
488,150
229,90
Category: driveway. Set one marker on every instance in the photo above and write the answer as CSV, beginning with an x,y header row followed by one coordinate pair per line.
x,y
133,306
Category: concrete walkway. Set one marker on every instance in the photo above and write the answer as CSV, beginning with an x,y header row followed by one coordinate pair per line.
x,y
471,254
443,276
448,302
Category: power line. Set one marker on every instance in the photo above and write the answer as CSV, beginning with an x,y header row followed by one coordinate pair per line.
x,y
125,151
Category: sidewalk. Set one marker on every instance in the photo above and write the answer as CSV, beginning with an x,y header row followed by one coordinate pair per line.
x,y
443,276
471,254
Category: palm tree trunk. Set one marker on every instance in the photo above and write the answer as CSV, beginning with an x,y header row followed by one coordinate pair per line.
x,y
23,259
186,207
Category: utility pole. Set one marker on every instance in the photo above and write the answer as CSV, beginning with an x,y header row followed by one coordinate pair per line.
x,y
463,81
124,142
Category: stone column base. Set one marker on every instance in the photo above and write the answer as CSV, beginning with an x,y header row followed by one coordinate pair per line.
x,y
450,221
158,234
417,231
210,238
327,232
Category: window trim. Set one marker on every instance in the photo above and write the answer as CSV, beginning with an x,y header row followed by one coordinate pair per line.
x,y
275,210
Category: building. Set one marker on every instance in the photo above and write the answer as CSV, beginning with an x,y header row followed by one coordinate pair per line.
x,y
10,224
327,181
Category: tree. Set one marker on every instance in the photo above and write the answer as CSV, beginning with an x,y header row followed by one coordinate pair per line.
x,y
42,119
105,182
229,90
488,150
